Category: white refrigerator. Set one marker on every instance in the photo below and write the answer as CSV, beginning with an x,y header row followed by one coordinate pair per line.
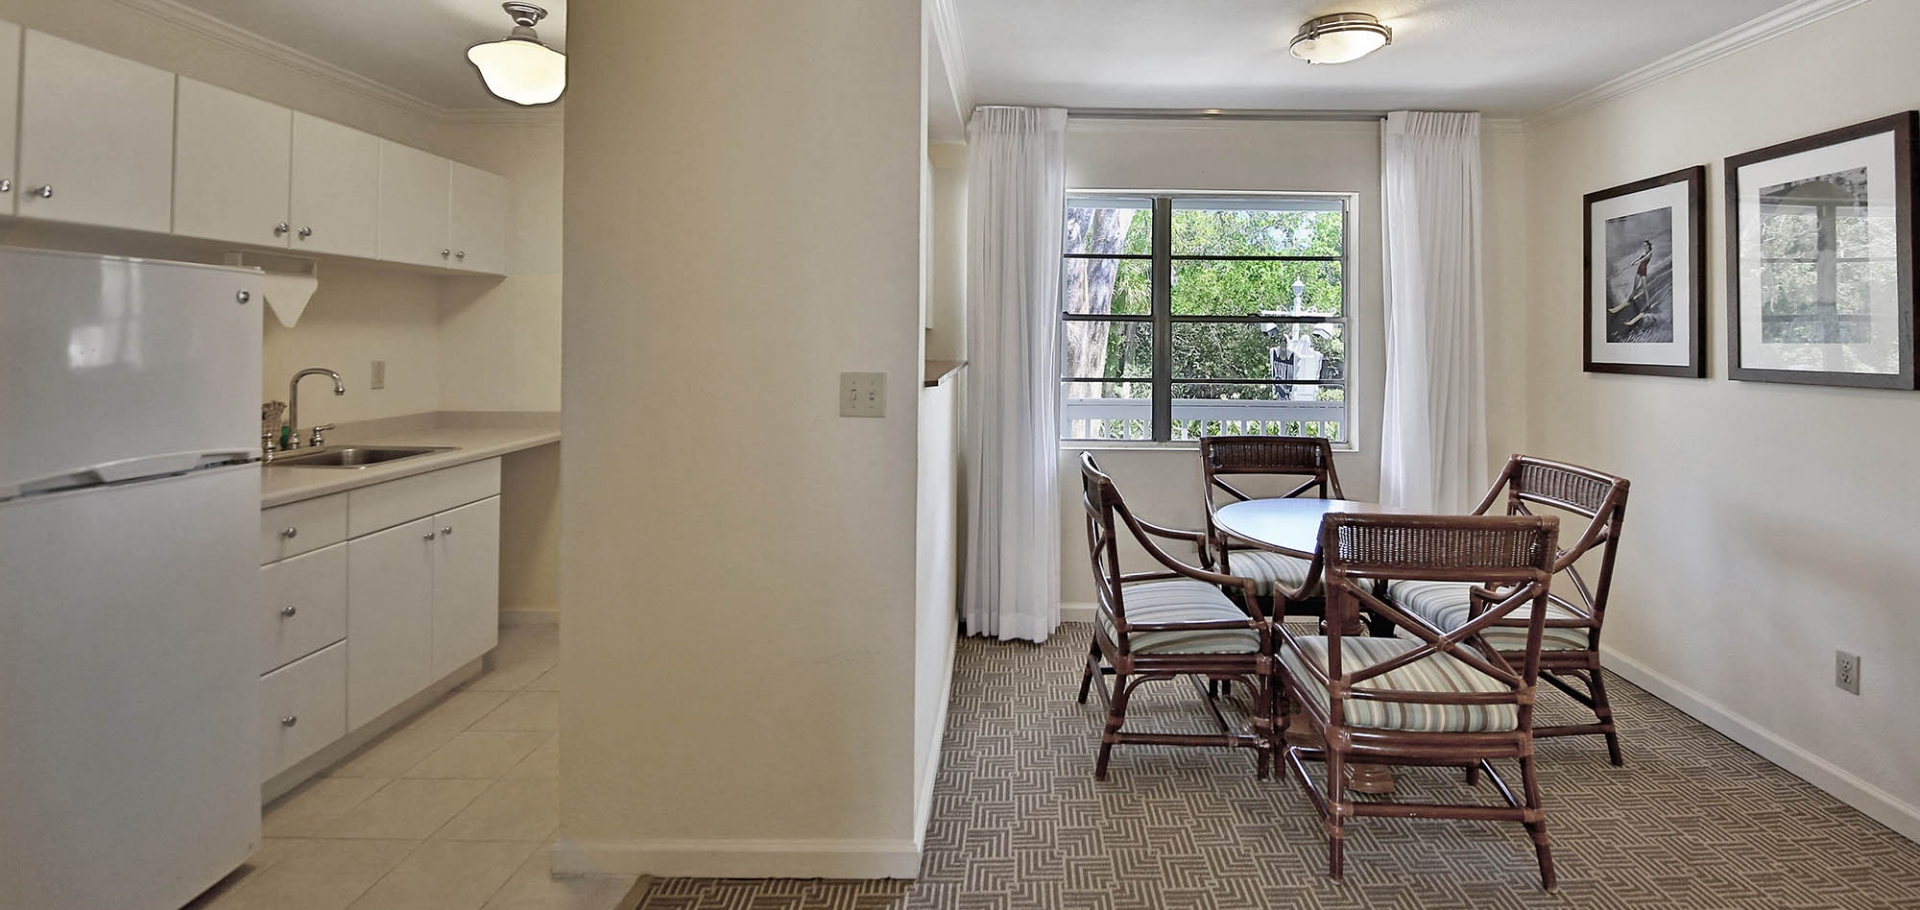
x,y
129,515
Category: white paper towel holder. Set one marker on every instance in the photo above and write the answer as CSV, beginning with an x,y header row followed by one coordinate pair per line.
x,y
288,282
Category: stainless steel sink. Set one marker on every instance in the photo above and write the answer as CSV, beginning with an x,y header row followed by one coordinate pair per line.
x,y
354,456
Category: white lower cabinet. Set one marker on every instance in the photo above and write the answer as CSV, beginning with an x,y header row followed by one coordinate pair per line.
x,y
466,585
303,707
389,618
407,571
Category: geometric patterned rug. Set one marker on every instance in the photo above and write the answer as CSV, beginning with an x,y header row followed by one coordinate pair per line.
x,y
1693,820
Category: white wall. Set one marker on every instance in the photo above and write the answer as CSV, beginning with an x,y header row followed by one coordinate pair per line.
x,y
742,224
1769,524
1163,483
936,572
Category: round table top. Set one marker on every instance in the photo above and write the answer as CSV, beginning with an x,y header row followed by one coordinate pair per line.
x,y
1289,525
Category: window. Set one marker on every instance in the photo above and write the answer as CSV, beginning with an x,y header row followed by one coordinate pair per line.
x,y
1185,316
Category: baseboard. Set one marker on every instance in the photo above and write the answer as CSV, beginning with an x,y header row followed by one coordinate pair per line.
x,y
1876,803
739,858
1077,611
529,617
923,800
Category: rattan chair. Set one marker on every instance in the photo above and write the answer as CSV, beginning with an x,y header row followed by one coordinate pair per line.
x,y
1304,457
1570,651
1168,624
1432,699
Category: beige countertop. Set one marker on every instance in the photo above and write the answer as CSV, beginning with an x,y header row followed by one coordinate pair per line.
x,y
475,435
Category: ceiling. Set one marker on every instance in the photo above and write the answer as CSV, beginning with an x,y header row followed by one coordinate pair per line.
x,y
1505,58
416,46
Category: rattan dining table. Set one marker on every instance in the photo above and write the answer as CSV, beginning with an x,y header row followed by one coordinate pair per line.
x,y
1292,526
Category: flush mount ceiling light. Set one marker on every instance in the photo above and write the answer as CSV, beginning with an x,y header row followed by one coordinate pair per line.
x,y
1340,38
518,68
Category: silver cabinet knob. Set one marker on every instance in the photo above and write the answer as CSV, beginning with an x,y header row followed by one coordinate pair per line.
x,y
290,533
243,296
306,232
289,610
461,254
431,535
289,720
44,192
6,186
280,230
448,531
445,253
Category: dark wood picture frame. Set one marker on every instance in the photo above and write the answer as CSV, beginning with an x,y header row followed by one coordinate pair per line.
x,y
1696,283
1904,128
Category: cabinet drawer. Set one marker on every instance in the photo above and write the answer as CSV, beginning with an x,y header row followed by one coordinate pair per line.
x,y
301,527
399,501
303,707
303,605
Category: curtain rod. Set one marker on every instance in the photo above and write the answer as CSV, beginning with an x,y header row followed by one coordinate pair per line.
x,y
1137,113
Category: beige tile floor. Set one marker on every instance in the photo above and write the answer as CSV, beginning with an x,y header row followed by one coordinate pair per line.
x,y
453,810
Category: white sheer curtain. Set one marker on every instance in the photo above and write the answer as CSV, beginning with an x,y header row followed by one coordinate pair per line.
x,y
1016,200
1433,453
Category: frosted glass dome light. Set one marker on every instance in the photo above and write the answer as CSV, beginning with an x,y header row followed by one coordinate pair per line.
x,y
518,68
1340,38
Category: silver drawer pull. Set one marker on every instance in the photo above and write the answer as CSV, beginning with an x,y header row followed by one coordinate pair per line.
x,y
289,720
288,611
448,530
431,535
290,533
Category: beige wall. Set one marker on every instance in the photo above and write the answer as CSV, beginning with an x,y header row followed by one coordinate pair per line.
x,y
947,297
742,224
1163,483
1770,524
500,338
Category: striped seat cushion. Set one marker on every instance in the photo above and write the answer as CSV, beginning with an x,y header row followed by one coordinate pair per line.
x,y
1434,673
1182,601
1265,567
1446,604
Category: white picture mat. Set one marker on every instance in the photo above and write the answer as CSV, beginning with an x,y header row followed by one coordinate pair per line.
x,y
1882,355
1677,353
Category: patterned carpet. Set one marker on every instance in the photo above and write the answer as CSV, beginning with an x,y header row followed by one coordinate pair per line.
x,y
1693,821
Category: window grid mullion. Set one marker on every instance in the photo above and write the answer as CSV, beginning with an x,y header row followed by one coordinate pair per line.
x,y
1162,319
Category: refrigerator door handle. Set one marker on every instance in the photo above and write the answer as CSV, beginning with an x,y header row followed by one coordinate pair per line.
x,y
127,469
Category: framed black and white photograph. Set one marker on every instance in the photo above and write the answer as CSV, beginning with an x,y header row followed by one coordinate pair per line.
x,y
1645,277
1820,258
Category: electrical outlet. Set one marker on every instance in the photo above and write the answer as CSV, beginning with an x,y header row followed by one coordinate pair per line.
x,y
1846,671
863,394
379,375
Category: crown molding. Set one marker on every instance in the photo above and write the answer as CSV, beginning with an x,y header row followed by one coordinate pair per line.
x,y
1502,126
549,116
1786,19
177,15
946,30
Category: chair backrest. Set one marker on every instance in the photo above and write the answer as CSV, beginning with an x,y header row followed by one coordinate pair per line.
x,y
1104,505
1306,457
1600,498
1513,554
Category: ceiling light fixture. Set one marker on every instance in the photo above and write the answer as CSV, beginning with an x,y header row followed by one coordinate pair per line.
x,y
518,68
1340,38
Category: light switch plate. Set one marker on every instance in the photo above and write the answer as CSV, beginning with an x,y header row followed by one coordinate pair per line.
x,y
863,394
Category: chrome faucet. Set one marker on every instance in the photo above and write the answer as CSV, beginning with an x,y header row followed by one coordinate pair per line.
x,y
293,403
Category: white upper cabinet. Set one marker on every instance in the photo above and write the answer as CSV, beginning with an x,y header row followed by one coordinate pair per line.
x,y
9,114
478,234
336,188
413,206
96,137
231,161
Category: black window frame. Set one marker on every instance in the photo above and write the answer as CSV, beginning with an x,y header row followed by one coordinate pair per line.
x,y
1162,319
